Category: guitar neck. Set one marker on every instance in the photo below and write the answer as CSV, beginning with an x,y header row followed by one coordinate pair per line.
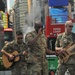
x,y
71,48
21,53
18,54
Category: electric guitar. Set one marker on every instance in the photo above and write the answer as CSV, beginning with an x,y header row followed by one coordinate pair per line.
x,y
63,57
7,62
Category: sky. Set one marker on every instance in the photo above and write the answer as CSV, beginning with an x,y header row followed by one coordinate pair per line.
x,y
10,4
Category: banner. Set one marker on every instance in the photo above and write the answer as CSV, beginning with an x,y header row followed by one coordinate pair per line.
x,y
58,2
60,14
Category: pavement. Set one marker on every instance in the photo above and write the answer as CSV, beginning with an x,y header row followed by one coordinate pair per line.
x,y
5,72
9,73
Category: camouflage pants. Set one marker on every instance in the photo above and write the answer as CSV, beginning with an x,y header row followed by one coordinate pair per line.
x,y
45,67
62,68
38,69
19,69
34,69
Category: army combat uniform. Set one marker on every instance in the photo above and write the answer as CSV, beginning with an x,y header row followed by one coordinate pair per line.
x,y
19,67
37,62
63,40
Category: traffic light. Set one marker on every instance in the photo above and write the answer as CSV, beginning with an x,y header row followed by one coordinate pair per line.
x,y
10,24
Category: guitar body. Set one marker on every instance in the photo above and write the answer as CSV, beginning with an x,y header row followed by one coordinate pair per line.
x,y
8,63
63,57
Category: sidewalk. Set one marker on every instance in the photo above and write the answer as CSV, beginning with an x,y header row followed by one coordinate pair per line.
x,y
5,72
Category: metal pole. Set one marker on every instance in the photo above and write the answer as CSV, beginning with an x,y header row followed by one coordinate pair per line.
x,y
33,12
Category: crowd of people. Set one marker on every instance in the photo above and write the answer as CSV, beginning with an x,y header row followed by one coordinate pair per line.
x,y
33,51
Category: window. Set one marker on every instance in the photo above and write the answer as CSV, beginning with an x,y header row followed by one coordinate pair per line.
x,y
8,36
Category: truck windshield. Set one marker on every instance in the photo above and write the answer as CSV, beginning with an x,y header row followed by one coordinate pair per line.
x,y
8,36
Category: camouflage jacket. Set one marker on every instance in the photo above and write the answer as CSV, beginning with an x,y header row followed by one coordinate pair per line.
x,y
37,50
62,41
14,46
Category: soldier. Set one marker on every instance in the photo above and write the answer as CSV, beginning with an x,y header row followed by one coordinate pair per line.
x,y
36,40
19,67
63,42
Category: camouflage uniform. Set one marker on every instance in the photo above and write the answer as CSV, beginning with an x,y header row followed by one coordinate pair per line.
x,y
37,62
19,67
62,41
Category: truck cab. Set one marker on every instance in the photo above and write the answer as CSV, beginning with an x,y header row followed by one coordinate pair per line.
x,y
8,34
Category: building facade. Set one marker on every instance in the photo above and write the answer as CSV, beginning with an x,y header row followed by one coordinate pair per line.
x,y
20,9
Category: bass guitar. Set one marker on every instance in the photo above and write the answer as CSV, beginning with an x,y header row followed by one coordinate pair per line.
x,y
63,57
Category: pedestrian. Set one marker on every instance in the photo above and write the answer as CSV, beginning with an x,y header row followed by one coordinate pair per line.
x,y
36,40
64,46
19,67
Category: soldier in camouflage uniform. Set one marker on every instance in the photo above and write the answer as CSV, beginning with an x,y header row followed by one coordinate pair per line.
x,y
19,67
62,42
36,40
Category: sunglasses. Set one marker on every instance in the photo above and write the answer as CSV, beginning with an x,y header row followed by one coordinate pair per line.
x,y
70,26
